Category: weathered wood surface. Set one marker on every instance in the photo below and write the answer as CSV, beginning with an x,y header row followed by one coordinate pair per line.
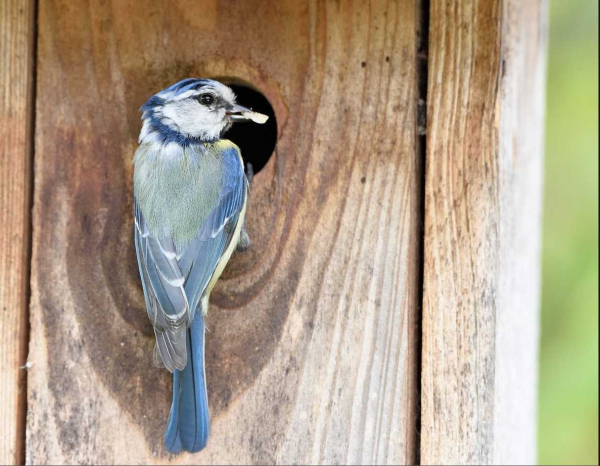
x,y
16,49
482,229
311,354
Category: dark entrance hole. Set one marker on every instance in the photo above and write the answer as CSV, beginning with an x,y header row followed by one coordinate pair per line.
x,y
256,142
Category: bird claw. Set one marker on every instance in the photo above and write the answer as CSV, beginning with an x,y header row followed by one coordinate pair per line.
x,y
249,173
243,242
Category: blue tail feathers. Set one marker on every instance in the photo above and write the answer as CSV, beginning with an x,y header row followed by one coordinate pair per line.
x,y
188,424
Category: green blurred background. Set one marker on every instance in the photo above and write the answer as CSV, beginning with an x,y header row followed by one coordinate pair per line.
x,y
568,409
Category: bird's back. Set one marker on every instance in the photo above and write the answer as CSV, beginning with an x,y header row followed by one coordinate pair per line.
x,y
177,186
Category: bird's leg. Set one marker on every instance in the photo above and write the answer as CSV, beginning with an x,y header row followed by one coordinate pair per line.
x,y
244,241
249,173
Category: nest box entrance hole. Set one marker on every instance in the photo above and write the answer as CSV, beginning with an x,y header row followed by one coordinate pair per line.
x,y
256,142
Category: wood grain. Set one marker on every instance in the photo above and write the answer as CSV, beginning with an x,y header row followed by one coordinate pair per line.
x,y
482,230
311,354
16,49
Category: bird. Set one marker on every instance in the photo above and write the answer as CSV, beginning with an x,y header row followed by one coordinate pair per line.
x,y
190,195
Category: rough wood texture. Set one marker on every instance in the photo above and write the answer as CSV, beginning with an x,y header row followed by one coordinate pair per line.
x,y
482,229
311,354
16,22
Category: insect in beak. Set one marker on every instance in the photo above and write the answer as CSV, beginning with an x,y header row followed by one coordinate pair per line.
x,y
239,113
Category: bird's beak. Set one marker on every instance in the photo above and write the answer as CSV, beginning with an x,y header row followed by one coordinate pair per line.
x,y
239,113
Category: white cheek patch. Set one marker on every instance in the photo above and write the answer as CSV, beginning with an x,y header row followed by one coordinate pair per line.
x,y
193,119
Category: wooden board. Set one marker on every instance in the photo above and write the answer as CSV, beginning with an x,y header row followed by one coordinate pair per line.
x,y
312,348
482,229
16,51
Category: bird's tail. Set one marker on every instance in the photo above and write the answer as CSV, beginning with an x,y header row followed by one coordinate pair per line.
x,y
188,425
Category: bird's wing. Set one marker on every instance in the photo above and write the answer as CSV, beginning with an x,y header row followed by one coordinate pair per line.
x,y
174,283
166,302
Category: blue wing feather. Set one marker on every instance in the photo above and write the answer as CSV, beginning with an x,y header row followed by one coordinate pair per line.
x,y
200,258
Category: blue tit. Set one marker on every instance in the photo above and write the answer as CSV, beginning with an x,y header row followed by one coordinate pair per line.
x,y
190,195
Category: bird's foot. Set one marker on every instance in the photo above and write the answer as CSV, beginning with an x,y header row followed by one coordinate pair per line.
x,y
243,242
249,173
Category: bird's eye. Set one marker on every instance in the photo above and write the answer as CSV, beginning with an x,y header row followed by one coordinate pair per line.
x,y
206,99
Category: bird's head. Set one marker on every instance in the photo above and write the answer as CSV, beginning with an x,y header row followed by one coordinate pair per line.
x,y
192,110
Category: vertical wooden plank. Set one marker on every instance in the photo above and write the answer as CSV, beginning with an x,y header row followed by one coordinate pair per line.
x,y
461,233
311,352
522,91
482,221
16,49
